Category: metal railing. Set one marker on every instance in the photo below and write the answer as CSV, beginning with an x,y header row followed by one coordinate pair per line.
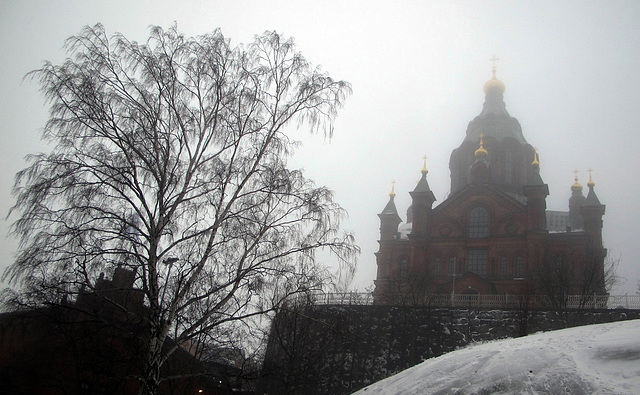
x,y
341,298
482,301
624,301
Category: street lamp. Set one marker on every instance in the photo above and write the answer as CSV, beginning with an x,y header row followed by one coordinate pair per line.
x,y
169,262
453,287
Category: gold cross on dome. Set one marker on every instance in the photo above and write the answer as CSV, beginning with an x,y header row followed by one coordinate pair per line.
x,y
494,60
575,171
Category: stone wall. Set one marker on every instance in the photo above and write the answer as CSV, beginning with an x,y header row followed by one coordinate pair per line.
x,y
340,349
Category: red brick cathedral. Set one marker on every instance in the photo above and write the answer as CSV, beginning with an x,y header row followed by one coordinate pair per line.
x,y
493,234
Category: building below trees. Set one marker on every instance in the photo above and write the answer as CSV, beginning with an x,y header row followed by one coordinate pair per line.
x,y
92,345
492,235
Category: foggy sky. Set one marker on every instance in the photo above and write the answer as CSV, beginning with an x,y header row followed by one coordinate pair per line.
x,y
571,70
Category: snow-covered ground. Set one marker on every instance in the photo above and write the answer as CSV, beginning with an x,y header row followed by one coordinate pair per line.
x,y
594,359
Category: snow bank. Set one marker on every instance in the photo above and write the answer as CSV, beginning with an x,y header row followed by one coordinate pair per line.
x,y
594,359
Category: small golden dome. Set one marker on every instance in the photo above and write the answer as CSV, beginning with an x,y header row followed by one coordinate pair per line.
x,y
392,194
535,162
424,168
494,83
576,186
590,184
481,151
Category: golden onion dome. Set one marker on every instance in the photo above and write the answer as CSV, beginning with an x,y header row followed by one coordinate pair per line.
x,y
576,186
392,194
494,83
424,168
591,184
481,152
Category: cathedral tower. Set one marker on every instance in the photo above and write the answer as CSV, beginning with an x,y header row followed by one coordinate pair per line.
x,y
507,150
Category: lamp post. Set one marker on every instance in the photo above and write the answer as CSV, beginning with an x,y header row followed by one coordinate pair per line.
x,y
453,286
169,262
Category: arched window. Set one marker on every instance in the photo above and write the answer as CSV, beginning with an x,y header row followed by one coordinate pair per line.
x,y
519,266
503,266
478,223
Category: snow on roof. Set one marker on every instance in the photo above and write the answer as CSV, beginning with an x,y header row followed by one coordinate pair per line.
x,y
594,359
404,230
557,221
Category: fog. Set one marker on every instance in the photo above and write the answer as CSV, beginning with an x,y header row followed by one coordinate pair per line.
x,y
571,71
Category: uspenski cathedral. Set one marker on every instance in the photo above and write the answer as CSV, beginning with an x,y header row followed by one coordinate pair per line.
x,y
492,235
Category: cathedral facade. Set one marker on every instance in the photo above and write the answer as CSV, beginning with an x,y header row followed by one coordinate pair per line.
x,y
493,234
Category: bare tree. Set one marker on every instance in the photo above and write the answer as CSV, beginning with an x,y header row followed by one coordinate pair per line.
x,y
596,279
568,280
416,289
287,365
555,279
611,276
170,159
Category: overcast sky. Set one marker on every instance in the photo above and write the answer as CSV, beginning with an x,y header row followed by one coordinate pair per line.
x,y
571,70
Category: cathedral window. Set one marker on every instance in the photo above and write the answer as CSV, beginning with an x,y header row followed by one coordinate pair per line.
x,y
519,267
452,265
478,223
436,266
478,262
503,266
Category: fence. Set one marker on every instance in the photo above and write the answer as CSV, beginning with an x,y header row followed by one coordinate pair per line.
x,y
624,301
482,301
341,298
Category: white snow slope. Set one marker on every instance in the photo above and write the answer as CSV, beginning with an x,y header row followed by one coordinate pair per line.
x,y
594,359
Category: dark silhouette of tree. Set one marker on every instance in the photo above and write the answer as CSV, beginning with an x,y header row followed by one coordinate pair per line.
x,y
567,280
555,277
169,159
416,290
288,366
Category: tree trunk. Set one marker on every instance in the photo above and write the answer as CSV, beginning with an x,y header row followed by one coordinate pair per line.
x,y
151,378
